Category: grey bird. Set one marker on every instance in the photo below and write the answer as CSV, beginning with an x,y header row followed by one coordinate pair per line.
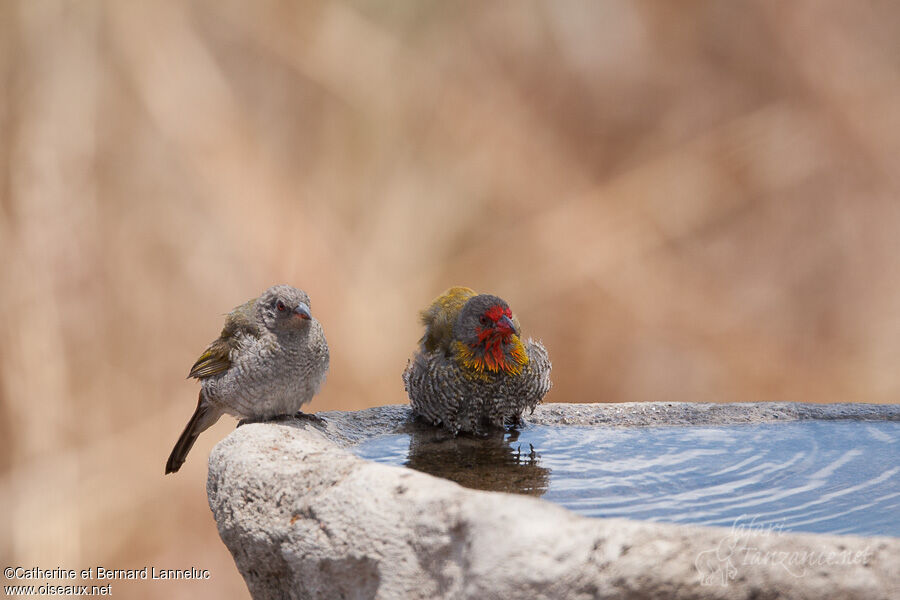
x,y
270,359
472,371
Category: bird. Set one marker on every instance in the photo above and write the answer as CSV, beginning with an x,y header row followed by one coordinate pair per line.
x,y
270,359
472,371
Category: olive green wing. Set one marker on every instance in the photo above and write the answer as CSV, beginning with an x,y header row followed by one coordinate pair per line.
x,y
213,361
217,356
440,316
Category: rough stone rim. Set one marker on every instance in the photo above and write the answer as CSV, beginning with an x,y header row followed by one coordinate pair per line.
x,y
348,428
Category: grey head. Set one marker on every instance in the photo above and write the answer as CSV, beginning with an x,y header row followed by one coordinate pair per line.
x,y
487,337
283,308
484,316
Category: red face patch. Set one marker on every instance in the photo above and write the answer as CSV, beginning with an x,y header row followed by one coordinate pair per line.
x,y
496,311
492,338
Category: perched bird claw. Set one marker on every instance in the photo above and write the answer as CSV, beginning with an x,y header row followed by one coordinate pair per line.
x,y
309,417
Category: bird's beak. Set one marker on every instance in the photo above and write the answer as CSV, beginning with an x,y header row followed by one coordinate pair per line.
x,y
506,322
302,311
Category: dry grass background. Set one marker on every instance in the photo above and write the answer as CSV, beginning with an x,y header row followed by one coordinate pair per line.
x,y
693,201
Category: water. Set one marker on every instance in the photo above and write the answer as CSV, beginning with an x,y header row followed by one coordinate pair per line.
x,y
840,477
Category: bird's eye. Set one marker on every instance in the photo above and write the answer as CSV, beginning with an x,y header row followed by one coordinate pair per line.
x,y
280,306
484,320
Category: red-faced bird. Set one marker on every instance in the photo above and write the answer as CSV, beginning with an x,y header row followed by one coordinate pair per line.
x,y
472,370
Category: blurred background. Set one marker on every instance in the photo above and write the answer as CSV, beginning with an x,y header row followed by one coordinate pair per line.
x,y
693,201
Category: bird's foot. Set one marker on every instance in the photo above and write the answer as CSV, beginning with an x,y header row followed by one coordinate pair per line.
x,y
309,417
272,419
514,423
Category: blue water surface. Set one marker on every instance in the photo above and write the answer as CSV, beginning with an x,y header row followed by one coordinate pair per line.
x,y
839,477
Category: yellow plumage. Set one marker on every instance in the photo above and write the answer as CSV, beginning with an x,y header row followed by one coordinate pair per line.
x,y
440,316
474,366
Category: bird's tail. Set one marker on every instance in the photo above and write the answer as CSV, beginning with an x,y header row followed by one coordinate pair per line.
x,y
203,418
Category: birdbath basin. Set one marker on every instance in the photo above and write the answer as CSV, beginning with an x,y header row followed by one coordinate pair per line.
x,y
840,477
674,500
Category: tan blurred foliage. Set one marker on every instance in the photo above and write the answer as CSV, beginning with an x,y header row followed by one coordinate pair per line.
x,y
692,201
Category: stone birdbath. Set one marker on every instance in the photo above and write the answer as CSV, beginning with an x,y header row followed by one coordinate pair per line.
x,y
665,500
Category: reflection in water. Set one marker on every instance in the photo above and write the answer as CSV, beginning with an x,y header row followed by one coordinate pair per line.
x,y
816,476
497,462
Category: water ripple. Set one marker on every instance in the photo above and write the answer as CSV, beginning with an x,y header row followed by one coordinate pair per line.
x,y
817,476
